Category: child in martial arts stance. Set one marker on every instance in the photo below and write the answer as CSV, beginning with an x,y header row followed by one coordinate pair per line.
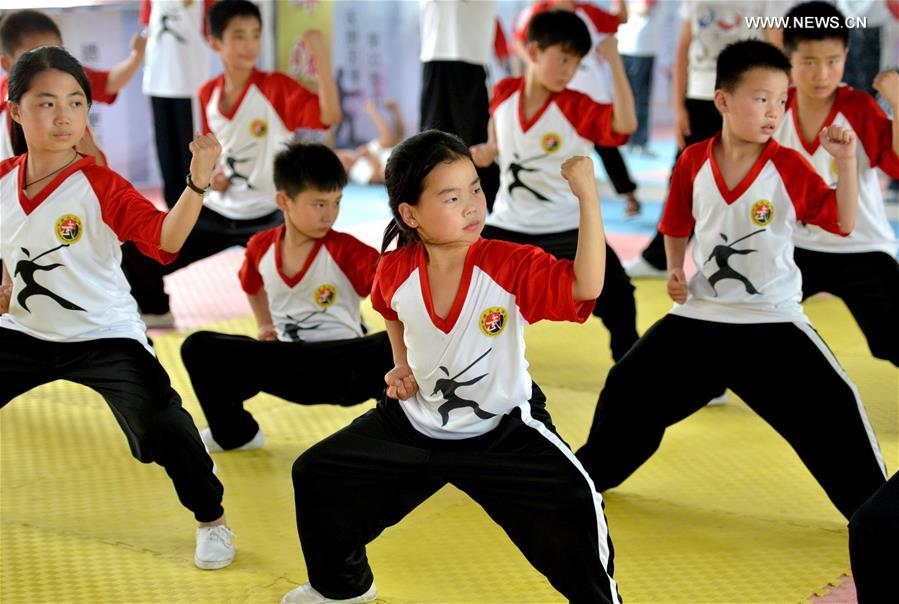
x,y
738,322
67,311
304,282
460,406
861,268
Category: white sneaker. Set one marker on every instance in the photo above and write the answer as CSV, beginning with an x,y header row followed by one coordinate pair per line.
x,y
721,399
214,549
213,447
163,321
640,268
306,594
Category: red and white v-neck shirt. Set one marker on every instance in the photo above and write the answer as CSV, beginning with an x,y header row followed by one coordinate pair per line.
x,y
270,108
858,111
743,248
176,62
321,302
97,80
470,366
62,249
533,197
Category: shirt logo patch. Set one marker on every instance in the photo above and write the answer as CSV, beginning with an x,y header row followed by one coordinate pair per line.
x,y
551,142
493,321
762,212
833,167
69,229
258,128
325,295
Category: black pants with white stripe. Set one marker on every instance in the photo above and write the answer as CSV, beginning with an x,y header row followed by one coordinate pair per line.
x,y
226,370
615,307
369,475
137,390
783,371
868,283
874,545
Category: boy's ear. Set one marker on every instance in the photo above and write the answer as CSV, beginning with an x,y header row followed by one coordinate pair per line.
x,y
282,199
407,213
532,50
214,43
5,62
721,101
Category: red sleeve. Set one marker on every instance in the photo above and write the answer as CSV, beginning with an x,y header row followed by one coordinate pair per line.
x,y
130,215
503,90
677,216
98,80
541,282
389,275
145,12
592,120
814,202
874,130
249,276
204,94
524,19
357,260
297,107
500,47
605,23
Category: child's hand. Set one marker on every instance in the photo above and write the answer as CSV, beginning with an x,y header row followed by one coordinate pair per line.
x,y
401,383
483,154
578,171
267,333
677,285
220,180
138,44
838,141
206,150
608,48
887,85
314,42
5,296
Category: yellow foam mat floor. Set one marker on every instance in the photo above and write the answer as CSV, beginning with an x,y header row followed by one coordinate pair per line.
x,y
724,512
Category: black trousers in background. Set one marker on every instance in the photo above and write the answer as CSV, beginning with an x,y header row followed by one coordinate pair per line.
x,y
783,371
212,234
868,283
615,307
174,127
138,391
226,370
616,169
705,122
454,98
371,474
874,545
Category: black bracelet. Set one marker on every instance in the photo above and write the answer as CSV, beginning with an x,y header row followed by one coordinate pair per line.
x,y
195,188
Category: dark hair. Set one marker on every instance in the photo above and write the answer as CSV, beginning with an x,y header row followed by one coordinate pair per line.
x,y
223,11
303,166
16,25
831,25
29,65
738,58
409,165
561,27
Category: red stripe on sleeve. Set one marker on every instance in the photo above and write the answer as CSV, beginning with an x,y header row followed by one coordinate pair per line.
x,y
249,275
393,270
874,130
592,120
605,23
502,91
357,260
144,12
297,107
814,201
98,80
677,217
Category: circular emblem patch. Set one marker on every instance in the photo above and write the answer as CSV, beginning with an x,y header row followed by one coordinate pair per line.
x,y
762,212
69,229
493,321
833,167
258,128
325,295
551,142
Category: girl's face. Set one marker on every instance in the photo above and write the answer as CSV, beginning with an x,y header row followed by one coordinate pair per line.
x,y
451,208
53,113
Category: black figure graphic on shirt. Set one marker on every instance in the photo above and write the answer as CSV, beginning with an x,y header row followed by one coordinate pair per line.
x,y
231,161
27,268
448,387
722,254
293,329
165,27
518,168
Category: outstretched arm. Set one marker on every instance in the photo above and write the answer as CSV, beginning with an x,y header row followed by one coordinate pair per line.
x,y
401,383
624,113
841,143
887,84
328,99
590,258
122,73
181,219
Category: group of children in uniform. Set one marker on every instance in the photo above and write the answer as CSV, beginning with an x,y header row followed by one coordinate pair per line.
x,y
456,402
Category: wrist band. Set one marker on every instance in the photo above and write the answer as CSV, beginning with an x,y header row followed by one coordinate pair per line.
x,y
195,188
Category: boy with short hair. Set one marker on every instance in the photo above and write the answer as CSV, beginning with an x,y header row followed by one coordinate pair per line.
x,y
861,268
304,282
252,113
738,322
23,30
537,122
